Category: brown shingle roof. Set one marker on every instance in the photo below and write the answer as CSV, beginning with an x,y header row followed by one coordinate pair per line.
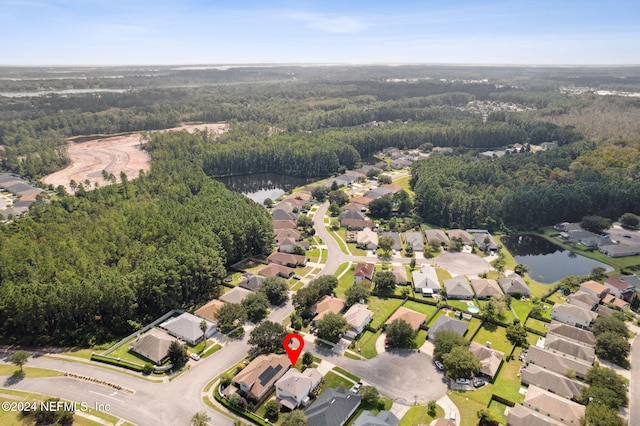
x,y
490,359
327,304
413,318
209,310
261,373
572,333
555,406
364,270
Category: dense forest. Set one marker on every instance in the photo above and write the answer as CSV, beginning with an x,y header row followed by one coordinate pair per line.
x,y
94,266
90,268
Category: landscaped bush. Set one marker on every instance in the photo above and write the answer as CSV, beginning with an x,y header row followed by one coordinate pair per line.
x,y
117,362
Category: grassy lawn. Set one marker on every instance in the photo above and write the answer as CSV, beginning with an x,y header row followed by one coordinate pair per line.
x,y
404,183
468,407
421,337
522,308
346,373
428,310
332,380
81,353
460,304
344,283
419,414
536,325
355,250
537,289
474,324
507,317
29,372
339,240
382,309
374,408
498,409
496,335
443,274
435,317
313,255
297,285
211,349
367,344
124,354
343,268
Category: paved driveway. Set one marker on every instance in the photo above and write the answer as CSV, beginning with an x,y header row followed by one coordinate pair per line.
x,y
404,376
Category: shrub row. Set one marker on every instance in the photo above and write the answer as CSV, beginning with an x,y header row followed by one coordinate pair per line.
x,y
241,411
98,381
117,362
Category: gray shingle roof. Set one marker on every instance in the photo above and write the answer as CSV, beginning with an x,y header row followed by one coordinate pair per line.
x,y
333,407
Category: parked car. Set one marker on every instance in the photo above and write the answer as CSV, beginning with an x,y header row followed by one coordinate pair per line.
x,y
439,365
463,381
355,388
195,357
452,416
478,383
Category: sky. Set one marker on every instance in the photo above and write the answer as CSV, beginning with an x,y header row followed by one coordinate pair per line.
x,y
158,32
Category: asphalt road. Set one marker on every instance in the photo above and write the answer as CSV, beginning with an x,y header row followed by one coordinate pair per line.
x,y
634,383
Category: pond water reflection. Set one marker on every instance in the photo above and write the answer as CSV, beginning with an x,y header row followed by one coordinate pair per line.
x,y
260,186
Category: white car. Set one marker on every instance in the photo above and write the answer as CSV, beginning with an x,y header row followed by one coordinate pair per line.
x,y
195,357
463,381
355,388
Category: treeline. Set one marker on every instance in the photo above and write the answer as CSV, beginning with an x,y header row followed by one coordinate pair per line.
x,y
521,190
90,268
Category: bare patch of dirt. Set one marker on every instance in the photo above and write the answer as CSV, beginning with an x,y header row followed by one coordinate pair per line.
x,y
114,155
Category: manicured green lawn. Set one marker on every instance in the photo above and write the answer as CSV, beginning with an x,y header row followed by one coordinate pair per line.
x,y
367,344
125,354
340,240
496,335
443,274
421,337
467,406
342,269
332,380
382,309
386,404
404,183
81,353
297,285
428,310
344,283
536,325
346,373
522,308
498,409
419,414
460,304
313,255
29,372
474,324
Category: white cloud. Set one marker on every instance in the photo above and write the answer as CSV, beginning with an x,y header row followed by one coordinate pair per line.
x,y
329,24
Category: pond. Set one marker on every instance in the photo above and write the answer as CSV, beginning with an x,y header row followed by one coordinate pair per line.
x,y
547,262
260,186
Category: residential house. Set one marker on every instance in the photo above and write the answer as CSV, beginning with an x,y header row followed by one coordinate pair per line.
x,y
611,300
282,214
235,295
353,206
392,187
619,288
413,318
273,269
333,407
583,299
362,200
556,343
290,245
490,359
153,345
462,235
357,224
283,234
378,193
484,240
284,224
384,418
363,271
251,281
436,235
400,273
259,376
395,236
287,259
519,415
486,289
186,327
575,334
619,250
446,323
425,280
414,240
293,389
514,284
352,214
554,406
559,384
573,315
632,280
208,311
367,239
557,362
400,163
327,304
458,288
594,288
566,227
357,316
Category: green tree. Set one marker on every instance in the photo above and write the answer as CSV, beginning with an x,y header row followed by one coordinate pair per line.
x,y
19,358
460,363
445,341
381,207
276,290
320,193
201,418
272,411
400,334
267,337
384,180
385,244
614,323
598,414
598,273
307,359
431,408
385,281
517,334
334,209
606,386
203,328
370,396
304,221
256,305
630,220
177,354
521,269
268,203
595,223
357,292
230,316
613,347
331,327
338,197
485,418
294,418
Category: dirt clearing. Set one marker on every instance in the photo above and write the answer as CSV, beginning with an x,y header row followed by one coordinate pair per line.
x,y
114,155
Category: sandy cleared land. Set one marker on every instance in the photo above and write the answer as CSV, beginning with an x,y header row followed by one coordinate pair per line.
x,y
112,154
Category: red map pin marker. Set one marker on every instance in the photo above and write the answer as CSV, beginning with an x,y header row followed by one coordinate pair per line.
x,y
293,353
